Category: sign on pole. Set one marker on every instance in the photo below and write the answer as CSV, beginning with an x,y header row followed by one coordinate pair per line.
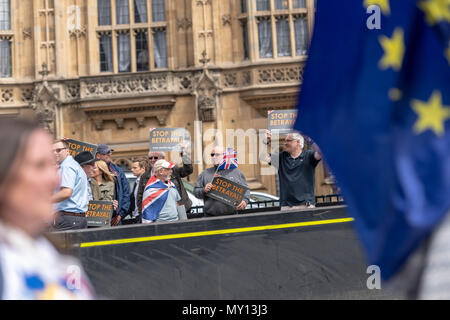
x,y
99,213
281,121
227,191
168,139
75,147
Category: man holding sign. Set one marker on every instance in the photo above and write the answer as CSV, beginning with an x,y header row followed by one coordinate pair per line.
x,y
224,165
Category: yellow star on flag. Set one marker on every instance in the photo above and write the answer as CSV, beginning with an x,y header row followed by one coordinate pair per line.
x,y
394,50
432,114
436,10
383,4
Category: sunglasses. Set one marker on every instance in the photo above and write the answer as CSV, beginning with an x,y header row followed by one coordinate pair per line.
x,y
153,158
216,154
58,150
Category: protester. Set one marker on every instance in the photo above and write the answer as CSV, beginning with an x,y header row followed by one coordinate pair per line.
x,y
30,267
296,171
87,163
160,195
105,180
178,172
138,168
122,186
203,186
72,197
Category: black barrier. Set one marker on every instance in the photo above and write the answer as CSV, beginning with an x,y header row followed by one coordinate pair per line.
x,y
273,205
311,254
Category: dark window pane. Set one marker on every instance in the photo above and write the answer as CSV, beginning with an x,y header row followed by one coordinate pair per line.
x,y
301,35
5,59
105,53
245,38
142,61
140,11
122,12
281,4
262,5
124,54
159,48
104,12
5,16
283,38
265,38
299,3
243,6
158,10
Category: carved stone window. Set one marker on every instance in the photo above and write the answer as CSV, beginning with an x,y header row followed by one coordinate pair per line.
x,y
278,28
5,57
5,14
138,26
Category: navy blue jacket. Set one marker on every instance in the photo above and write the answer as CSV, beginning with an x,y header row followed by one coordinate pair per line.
x,y
122,190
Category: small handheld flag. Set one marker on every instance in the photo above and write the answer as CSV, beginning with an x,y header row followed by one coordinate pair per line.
x,y
229,160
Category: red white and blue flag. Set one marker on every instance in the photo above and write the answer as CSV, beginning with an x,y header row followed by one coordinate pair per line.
x,y
154,198
229,160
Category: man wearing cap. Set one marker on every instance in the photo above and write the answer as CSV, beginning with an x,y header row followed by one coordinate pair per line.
x,y
122,186
72,197
160,195
178,172
87,163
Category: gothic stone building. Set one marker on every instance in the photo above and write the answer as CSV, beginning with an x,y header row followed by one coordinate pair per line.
x,y
105,71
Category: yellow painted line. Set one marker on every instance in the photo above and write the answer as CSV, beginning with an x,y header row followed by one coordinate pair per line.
x,y
213,232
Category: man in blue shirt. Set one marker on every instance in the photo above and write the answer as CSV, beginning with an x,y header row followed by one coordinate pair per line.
x,y
121,184
72,196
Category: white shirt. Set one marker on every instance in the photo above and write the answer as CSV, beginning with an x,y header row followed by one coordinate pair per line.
x,y
32,269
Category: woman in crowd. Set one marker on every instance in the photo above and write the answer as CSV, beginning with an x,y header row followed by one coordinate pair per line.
x,y
105,180
30,267
107,184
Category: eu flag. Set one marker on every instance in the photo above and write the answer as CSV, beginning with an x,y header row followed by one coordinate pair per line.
x,y
377,102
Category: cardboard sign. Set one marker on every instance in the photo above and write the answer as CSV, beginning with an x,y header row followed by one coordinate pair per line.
x,y
227,191
99,213
281,120
75,147
168,139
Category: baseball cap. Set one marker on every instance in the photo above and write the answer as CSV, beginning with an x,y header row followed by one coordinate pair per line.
x,y
84,158
160,164
103,149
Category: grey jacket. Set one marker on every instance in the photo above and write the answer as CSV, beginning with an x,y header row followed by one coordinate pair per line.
x,y
213,207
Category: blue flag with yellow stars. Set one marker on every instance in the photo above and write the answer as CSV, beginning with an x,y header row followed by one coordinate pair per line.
x,y
376,99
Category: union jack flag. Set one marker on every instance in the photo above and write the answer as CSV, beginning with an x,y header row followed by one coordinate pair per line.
x,y
154,197
229,160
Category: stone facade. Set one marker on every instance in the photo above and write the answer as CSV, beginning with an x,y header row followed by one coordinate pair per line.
x,y
213,79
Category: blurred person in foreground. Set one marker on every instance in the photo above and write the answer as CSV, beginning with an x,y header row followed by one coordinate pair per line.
x,y
30,267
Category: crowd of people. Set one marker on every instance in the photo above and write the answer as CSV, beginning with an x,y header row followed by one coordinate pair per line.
x,y
158,193
44,188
